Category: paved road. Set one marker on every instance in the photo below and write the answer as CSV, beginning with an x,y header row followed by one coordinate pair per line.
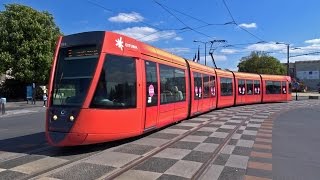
x,y
296,145
22,132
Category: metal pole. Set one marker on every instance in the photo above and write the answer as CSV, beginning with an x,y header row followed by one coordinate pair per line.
x,y
296,95
288,73
3,108
205,53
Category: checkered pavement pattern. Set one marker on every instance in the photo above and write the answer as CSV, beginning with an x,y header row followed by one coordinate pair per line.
x,y
247,155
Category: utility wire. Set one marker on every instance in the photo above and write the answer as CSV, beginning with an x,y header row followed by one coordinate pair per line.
x,y
306,54
181,20
230,14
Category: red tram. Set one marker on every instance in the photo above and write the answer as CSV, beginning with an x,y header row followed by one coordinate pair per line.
x,y
106,86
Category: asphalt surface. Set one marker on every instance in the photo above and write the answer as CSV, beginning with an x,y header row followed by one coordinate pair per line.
x,y
296,145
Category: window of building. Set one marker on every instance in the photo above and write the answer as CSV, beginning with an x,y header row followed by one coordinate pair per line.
x,y
249,87
256,87
273,87
117,84
226,86
151,84
206,86
241,87
172,84
197,85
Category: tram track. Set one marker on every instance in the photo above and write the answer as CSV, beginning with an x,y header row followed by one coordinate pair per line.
x,y
147,156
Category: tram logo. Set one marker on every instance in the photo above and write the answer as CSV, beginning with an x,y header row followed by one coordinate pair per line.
x,y
119,43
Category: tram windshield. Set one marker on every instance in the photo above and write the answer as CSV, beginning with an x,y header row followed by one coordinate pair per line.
x,y
75,69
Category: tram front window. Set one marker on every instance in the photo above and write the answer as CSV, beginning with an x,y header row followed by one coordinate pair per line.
x,y
116,88
72,78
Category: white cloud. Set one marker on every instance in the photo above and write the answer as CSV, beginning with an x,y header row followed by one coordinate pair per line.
x,y
251,25
272,46
229,51
313,41
127,17
178,38
147,34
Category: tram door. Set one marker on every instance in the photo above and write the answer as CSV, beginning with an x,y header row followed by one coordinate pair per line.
x,y
197,92
151,94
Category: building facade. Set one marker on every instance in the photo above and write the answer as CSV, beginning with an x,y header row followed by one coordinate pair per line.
x,y
307,72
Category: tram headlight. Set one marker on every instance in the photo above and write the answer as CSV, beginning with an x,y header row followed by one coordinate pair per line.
x,y
54,117
71,118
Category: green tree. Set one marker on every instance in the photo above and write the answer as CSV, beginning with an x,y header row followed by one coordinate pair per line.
x,y
261,63
27,42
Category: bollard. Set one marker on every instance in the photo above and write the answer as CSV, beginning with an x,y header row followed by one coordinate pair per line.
x,y
3,107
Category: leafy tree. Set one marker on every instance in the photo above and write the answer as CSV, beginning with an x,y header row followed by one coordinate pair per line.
x,y
27,42
261,63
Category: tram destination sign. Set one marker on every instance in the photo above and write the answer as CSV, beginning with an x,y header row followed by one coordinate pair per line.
x,y
82,51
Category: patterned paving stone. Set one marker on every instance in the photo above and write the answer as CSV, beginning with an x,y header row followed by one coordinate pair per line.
x,y
206,147
197,156
243,151
248,137
163,135
224,130
233,142
231,173
173,131
151,141
184,168
245,143
155,164
249,132
212,173
189,124
259,173
180,127
19,161
171,177
85,171
173,153
214,140
219,134
237,161
192,138
185,145
134,149
221,159
208,129
138,175
114,159
201,133
9,175
39,165
227,149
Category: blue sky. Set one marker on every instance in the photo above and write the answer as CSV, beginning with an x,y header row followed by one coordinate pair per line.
x,y
174,25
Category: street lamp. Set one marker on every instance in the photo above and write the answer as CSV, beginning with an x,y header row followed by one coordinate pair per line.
x,y
205,47
205,50
288,47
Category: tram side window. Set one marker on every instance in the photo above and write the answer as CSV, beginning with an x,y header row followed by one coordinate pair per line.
x,y
249,87
206,86
213,86
284,87
226,86
273,87
256,87
172,84
241,87
197,85
151,84
117,84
